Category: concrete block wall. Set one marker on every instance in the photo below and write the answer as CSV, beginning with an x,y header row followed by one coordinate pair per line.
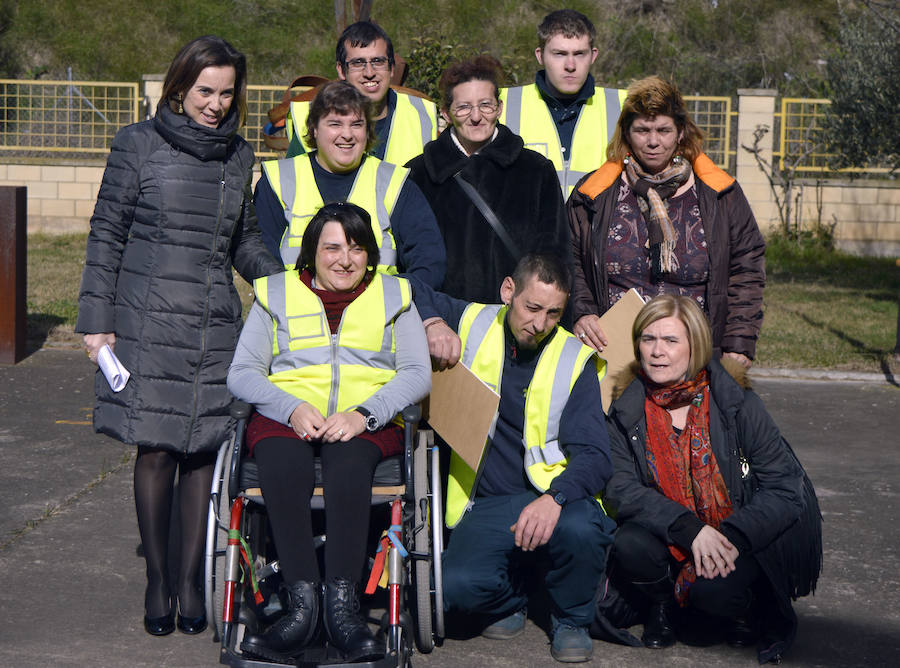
x,y
60,197
867,211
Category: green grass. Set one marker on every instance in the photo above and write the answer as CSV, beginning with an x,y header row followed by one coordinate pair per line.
x,y
54,270
826,309
55,263
823,309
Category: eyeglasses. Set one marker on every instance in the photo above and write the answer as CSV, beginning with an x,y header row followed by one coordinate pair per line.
x,y
486,109
359,64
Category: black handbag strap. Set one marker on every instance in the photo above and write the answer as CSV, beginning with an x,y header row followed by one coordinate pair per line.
x,y
489,215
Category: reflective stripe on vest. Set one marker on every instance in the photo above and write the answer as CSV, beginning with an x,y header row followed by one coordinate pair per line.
x,y
333,372
526,114
413,124
376,188
559,365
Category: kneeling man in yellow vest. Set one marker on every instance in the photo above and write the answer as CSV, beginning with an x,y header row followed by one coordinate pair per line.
x,y
545,464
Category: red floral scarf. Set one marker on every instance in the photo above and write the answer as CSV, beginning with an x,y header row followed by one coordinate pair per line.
x,y
683,467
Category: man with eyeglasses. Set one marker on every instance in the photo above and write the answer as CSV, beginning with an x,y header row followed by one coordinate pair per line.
x,y
494,200
403,123
562,115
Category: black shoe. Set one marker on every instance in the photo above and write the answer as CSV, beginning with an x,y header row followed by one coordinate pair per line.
x,y
288,636
658,630
741,632
160,626
191,625
346,628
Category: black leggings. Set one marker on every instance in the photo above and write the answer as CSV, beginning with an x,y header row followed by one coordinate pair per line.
x,y
286,475
643,558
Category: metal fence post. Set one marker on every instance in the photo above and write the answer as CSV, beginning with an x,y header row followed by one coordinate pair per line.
x,y
13,209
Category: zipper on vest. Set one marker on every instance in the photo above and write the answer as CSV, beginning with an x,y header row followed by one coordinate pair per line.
x,y
335,374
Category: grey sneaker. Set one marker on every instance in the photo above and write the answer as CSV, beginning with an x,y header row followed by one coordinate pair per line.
x,y
571,644
508,627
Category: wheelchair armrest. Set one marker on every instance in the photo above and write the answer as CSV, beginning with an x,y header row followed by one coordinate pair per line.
x,y
240,411
411,416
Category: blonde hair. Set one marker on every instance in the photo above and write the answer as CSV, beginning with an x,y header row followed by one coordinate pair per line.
x,y
652,97
691,316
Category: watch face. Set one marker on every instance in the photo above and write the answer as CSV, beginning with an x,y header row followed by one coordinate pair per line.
x,y
371,423
560,498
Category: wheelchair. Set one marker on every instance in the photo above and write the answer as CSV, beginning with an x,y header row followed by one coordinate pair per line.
x,y
240,564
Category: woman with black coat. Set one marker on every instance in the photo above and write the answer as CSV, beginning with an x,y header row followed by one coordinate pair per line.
x,y
173,215
714,511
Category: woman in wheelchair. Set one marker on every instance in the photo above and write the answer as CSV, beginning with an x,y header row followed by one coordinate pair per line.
x,y
330,353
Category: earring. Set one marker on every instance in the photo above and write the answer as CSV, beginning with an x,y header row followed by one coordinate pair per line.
x,y
627,159
677,160
180,109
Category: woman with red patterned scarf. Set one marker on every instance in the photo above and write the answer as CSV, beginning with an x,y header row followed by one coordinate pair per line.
x,y
718,524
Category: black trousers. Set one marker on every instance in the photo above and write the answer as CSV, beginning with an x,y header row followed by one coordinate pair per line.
x,y
643,558
287,478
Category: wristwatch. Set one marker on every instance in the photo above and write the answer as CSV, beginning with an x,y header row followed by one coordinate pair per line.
x,y
372,423
557,496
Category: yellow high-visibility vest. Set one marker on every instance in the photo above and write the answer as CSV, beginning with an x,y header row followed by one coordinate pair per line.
x,y
333,372
526,114
413,124
375,188
560,363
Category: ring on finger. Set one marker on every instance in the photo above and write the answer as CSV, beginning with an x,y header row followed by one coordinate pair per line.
x,y
340,432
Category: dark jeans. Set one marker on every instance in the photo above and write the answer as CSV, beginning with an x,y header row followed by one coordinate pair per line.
x,y
481,558
644,558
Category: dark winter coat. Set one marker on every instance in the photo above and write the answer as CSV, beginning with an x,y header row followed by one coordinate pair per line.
x,y
173,214
737,273
520,186
738,422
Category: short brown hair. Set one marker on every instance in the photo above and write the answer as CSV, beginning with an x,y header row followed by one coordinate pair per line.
x,y
565,22
196,56
692,317
652,97
548,268
481,68
341,98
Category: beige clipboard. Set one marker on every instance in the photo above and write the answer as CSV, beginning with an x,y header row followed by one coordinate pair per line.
x,y
619,352
461,408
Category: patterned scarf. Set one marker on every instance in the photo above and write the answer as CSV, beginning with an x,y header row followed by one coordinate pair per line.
x,y
652,191
683,468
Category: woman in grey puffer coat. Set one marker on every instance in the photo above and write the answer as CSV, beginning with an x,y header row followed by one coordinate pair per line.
x,y
173,215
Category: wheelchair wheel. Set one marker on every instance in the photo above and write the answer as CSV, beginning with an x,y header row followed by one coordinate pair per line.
x,y
217,538
437,537
424,516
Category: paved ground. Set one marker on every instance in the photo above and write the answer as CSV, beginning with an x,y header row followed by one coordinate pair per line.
x,y
73,578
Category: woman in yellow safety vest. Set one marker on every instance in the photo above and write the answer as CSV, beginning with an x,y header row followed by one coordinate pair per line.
x,y
290,191
330,353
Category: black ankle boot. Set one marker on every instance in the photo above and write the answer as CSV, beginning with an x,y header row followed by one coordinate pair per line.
x,y
287,637
346,628
659,631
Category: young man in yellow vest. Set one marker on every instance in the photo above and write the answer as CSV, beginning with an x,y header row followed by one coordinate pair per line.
x,y
562,115
403,123
545,463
